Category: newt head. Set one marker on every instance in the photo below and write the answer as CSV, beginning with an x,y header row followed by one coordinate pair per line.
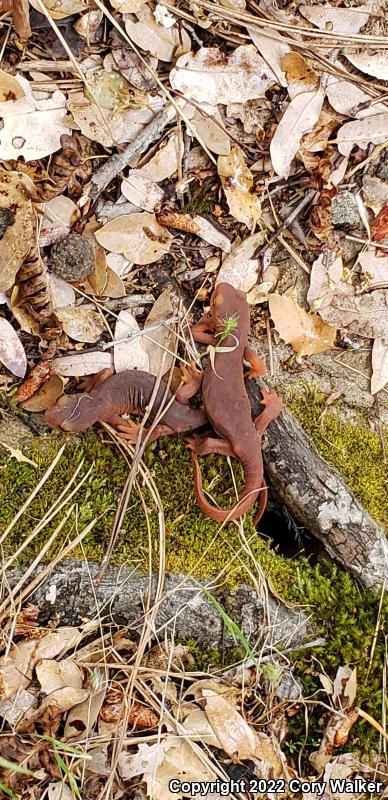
x,y
229,303
72,413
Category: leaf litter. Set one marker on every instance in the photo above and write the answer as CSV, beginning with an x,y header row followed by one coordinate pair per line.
x,y
203,187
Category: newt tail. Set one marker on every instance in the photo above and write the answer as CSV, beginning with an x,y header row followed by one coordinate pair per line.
x,y
245,502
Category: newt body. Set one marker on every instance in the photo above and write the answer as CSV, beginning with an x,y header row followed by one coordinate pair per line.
x,y
227,405
126,392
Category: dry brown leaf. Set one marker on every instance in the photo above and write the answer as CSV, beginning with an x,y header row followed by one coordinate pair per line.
x,y
237,182
62,292
114,286
180,762
361,132
129,355
64,698
10,87
12,354
128,6
379,365
299,118
372,62
53,675
138,236
36,376
96,281
211,77
338,20
17,706
21,19
141,191
326,274
273,48
46,395
347,98
108,126
161,42
83,715
58,9
363,314
80,364
58,215
306,333
57,642
212,134
165,162
240,267
374,268
379,226
299,75
163,339
88,24
198,728
32,128
132,66
16,668
15,191
80,323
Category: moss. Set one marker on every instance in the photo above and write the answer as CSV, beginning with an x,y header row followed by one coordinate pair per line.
x,y
201,204
354,449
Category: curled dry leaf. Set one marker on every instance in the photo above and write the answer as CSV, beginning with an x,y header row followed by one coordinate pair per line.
x,y
211,77
16,668
53,675
160,343
211,132
197,225
161,42
237,183
361,132
379,365
58,215
32,128
138,236
80,364
108,126
338,20
299,118
273,48
306,333
83,715
80,323
349,99
12,354
46,395
372,62
165,162
15,191
240,268
129,355
142,192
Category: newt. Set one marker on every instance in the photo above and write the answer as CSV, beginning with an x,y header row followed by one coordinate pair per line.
x,y
226,402
126,392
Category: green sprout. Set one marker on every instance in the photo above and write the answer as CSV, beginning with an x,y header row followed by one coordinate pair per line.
x,y
230,325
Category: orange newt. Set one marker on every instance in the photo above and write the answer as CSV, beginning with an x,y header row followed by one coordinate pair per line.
x,y
125,392
226,402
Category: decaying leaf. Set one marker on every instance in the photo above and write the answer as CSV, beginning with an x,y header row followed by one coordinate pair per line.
x,y
299,118
237,183
129,355
83,715
372,62
361,132
209,76
108,126
240,267
338,20
57,642
161,42
299,74
12,353
273,48
379,365
374,268
80,364
307,333
211,132
165,162
349,99
138,236
46,395
53,675
58,214
160,343
16,668
15,192
58,9
132,66
32,128
161,762
141,191
80,323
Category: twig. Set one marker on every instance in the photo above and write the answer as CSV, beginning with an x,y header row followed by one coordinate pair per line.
x,y
132,336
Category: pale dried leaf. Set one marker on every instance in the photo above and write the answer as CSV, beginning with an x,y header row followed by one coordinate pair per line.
x,y
141,191
165,162
46,395
363,314
80,364
161,42
97,279
338,20
379,365
306,333
147,759
372,62
11,88
326,683
108,126
240,267
32,128
81,324
210,77
12,354
361,132
209,233
128,6
180,762
83,716
58,215
273,48
129,355
59,790
138,236
88,24
62,293
300,75
163,339
347,98
237,183
375,192
65,698
374,268
118,263
15,707
58,9
212,134
326,274
299,118
16,668
57,642
18,454
53,675
350,689
15,189
114,286
198,728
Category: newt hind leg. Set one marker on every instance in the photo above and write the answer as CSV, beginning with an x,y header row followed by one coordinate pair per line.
x,y
273,405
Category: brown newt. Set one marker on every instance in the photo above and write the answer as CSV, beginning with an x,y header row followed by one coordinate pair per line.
x,y
226,402
126,392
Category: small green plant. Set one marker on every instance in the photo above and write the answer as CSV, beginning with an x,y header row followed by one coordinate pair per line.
x,y
14,767
64,769
230,325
